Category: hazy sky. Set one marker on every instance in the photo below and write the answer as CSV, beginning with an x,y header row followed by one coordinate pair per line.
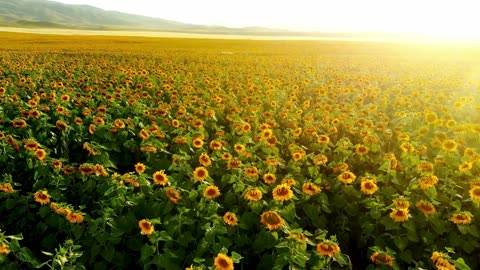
x,y
435,17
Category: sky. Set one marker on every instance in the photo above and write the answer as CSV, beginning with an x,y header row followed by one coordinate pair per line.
x,y
452,18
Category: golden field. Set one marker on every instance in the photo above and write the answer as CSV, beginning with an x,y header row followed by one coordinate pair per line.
x,y
170,153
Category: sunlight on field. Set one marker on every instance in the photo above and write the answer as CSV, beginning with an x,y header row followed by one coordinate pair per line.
x,y
173,153
389,38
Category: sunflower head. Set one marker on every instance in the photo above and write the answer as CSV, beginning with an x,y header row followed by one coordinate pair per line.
x,y
172,195
368,186
328,248
223,262
200,173
282,192
146,227
399,215
211,192
347,177
42,197
253,195
381,258
311,188
160,178
271,219
230,219
140,167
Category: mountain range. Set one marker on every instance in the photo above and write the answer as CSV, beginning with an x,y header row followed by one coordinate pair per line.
x,y
51,14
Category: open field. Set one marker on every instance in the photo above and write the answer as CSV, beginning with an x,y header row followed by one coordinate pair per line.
x,y
293,36
171,153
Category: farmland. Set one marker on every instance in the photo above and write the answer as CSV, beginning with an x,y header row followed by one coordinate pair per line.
x,y
170,153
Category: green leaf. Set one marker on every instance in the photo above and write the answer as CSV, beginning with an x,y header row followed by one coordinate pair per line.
x,y
400,242
264,240
300,259
146,252
288,212
236,257
457,205
461,265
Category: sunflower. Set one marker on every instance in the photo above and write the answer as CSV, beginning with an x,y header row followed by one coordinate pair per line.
x,y
160,178
144,134
328,249
215,145
266,133
443,264
311,188
146,227
4,249
282,192
475,193
223,262
31,145
234,163
298,155
200,173
65,98
40,154
435,256
118,123
347,177
57,164
271,219
288,181
271,161
61,125
368,185
74,217
426,208
91,129
269,178
449,146
428,181
399,215
100,170
298,236
6,187
172,195
239,148
78,121
197,142
148,148
466,166
226,156
401,204
140,167
431,118
19,123
320,160
253,195
381,258
211,192
68,170
86,169
407,147
323,139
361,150
42,197
425,166
462,218
204,160
230,219
251,171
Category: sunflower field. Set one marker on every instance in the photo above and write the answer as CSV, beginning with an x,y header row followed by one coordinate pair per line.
x,y
163,153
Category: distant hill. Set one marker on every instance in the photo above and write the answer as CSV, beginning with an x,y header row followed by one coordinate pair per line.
x,y
50,14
